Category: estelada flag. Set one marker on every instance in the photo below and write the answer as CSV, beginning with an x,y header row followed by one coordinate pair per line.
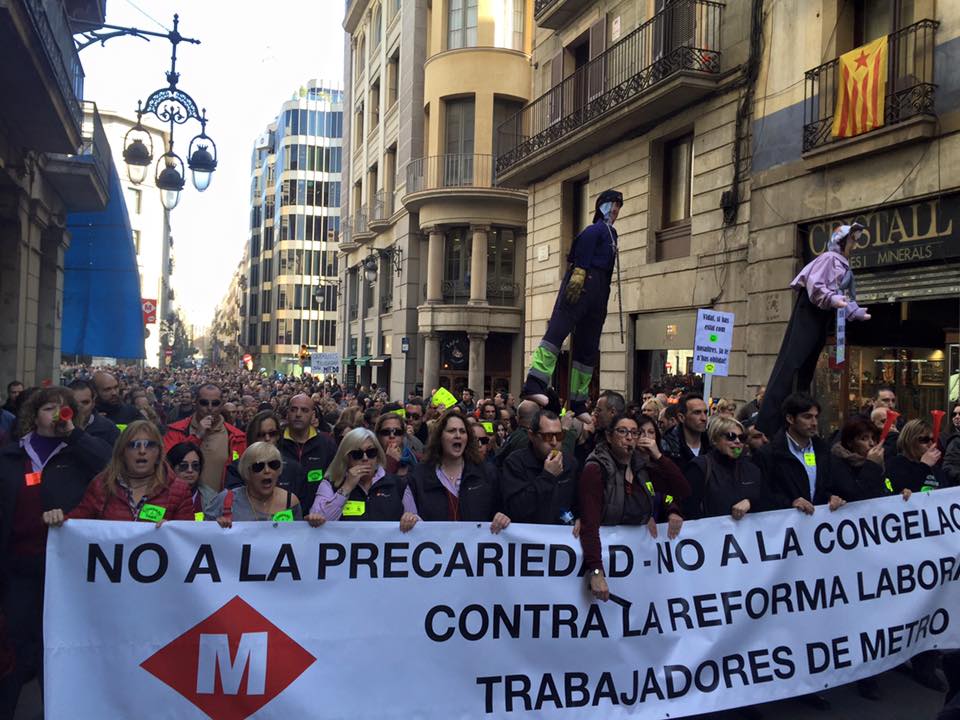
x,y
861,89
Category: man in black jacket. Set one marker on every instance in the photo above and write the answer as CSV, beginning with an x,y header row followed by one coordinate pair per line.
x,y
301,442
796,462
97,426
538,482
689,438
109,402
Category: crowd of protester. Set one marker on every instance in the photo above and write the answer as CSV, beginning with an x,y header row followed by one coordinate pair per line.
x,y
233,446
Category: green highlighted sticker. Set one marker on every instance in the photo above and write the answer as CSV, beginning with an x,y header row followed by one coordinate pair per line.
x,y
713,338
354,508
153,513
315,476
283,516
709,367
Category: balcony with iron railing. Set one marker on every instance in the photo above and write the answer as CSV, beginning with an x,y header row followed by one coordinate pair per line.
x,y
669,62
346,242
555,14
453,175
500,292
361,227
381,210
44,82
908,103
83,180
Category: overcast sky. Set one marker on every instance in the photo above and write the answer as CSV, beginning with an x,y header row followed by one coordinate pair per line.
x,y
252,58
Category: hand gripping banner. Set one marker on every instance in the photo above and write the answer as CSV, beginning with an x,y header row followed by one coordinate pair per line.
x,y
357,620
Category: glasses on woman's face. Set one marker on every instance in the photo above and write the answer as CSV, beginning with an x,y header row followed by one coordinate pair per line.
x,y
258,467
925,439
734,437
189,466
483,440
391,432
268,434
626,432
369,454
956,413
142,445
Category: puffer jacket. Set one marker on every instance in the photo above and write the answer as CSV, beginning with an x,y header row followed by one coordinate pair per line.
x,y
175,497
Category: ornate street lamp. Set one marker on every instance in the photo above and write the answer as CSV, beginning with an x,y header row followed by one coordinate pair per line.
x,y
370,268
169,105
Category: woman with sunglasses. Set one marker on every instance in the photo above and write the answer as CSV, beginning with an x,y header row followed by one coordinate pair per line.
x,y
486,442
186,459
136,486
453,483
725,481
915,466
626,480
395,440
265,427
357,485
260,497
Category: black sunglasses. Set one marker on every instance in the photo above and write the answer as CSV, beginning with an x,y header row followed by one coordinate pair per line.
x,y
369,453
483,440
273,465
925,439
733,437
209,403
413,416
185,466
391,432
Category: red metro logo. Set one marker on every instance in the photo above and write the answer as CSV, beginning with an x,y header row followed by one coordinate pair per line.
x,y
231,664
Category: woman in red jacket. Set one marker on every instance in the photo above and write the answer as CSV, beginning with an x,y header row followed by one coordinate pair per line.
x,y
137,484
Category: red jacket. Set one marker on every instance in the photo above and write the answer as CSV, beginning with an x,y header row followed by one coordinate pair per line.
x,y
179,432
98,504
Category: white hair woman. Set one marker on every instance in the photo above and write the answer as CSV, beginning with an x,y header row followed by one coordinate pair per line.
x,y
358,487
260,497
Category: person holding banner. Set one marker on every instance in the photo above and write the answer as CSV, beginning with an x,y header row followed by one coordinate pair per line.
x,y
359,487
725,481
265,427
137,484
915,466
626,481
857,462
540,481
824,286
451,464
50,467
260,497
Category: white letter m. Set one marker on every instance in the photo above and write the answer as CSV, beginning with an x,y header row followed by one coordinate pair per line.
x,y
215,653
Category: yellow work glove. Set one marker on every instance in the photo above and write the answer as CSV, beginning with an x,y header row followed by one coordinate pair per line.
x,y
575,285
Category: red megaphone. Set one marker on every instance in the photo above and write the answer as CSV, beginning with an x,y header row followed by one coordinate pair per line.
x,y
937,423
892,416
66,413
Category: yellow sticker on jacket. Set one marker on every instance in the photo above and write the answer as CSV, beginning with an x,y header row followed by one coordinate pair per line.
x,y
810,459
354,508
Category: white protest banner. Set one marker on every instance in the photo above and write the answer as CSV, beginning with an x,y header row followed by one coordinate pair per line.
x,y
325,363
357,620
712,342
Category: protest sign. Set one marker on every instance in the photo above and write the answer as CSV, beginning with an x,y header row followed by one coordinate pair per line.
x,y
712,342
325,363
283,620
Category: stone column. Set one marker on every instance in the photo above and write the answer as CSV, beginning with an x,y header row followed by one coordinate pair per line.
x,y
431,362
478,347
478,266
517,369
435,267
53,242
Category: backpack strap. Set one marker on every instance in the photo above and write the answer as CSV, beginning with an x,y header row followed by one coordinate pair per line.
x,y
228,505
289,499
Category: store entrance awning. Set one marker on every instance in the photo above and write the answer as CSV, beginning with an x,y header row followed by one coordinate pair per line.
x,y
380,361
364,360
102,312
